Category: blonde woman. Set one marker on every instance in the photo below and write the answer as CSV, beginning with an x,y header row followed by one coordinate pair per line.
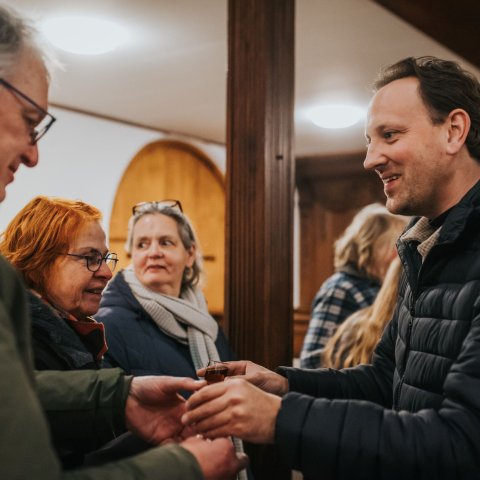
x,y
362,256
356,338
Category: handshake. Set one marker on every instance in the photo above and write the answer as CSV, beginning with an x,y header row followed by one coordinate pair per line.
x,y
245,405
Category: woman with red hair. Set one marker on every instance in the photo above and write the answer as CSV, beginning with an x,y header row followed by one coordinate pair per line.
x,y
59,247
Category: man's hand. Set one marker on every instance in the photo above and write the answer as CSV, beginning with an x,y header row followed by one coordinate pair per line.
x,y
154,407
234,408
259,376
217,458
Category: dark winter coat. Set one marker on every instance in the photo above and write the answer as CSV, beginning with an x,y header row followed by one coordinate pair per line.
x,y
55,345
422,417
136,344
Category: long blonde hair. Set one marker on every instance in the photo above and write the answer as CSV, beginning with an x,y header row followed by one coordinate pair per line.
x,y
355,339
369,241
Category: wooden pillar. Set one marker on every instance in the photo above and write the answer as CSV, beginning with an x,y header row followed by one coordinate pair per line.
x,y
260,178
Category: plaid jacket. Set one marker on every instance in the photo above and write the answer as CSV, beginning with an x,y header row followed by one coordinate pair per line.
x,y
342,294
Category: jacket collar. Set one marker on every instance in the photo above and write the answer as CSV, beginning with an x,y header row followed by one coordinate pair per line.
x,y
461,214
61,336
457,218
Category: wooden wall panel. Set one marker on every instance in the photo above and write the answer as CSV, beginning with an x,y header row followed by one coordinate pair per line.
x,y
331,190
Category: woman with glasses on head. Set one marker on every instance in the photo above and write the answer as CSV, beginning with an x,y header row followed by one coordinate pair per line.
x,y
155,315
59,247
154,312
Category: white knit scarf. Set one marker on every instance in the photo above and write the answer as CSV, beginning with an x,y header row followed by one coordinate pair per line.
x,y
173,314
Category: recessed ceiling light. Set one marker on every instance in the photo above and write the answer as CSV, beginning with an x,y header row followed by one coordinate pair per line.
x,y
336,116
84,35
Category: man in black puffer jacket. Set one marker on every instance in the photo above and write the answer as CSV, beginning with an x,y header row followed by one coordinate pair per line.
x,y
415,412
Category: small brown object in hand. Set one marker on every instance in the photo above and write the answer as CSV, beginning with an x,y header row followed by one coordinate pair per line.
x,y
216,372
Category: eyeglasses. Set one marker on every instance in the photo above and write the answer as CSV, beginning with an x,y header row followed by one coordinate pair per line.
x,y
37,132
94,261
142,206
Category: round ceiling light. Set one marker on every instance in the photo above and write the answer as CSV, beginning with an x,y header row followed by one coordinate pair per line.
x,y
84,35
336,116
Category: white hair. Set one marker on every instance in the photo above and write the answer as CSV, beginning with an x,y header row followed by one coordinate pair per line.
x,y
17,36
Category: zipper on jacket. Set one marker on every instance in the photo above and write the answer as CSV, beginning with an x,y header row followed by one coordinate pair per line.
x,y
415,293
407,256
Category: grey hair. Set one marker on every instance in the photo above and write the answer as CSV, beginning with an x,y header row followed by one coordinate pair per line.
x,y
17,36
191,276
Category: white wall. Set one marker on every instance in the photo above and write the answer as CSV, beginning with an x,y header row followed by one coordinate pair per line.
x,y
84,157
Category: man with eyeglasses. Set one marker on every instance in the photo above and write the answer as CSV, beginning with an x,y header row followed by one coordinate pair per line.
x,y
86,404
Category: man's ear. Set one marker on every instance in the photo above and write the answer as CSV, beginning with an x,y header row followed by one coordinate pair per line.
x,y
458,127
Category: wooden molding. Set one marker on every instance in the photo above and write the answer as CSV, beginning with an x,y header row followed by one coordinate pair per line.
x,y
454,24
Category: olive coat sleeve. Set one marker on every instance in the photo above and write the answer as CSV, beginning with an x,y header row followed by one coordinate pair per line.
x,y
25,444
84,405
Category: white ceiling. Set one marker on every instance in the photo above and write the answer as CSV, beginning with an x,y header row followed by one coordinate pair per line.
x,y
172,75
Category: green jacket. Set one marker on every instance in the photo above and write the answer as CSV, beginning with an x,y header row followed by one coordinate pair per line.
x,y
83,405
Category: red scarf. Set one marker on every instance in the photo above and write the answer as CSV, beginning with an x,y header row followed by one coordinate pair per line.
x,y
90,332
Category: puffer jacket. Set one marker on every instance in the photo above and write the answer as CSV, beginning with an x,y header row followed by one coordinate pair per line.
x,y
84,404
136,344
415,412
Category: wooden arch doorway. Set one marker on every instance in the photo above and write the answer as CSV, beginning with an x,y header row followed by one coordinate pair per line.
x,y
173,169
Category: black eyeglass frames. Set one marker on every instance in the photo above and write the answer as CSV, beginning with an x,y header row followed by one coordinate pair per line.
x,y
143,206
47,120
94,261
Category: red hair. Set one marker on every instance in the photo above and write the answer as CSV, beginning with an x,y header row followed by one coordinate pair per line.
x,y
41,230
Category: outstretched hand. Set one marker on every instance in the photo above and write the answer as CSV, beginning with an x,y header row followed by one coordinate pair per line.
x,y
217,458
259,376
154,407
234,408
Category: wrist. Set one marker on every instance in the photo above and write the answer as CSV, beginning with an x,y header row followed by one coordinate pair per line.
x,y
130,400
284,387
276,403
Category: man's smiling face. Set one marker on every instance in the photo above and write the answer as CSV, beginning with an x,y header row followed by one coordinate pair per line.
x,y
407,150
